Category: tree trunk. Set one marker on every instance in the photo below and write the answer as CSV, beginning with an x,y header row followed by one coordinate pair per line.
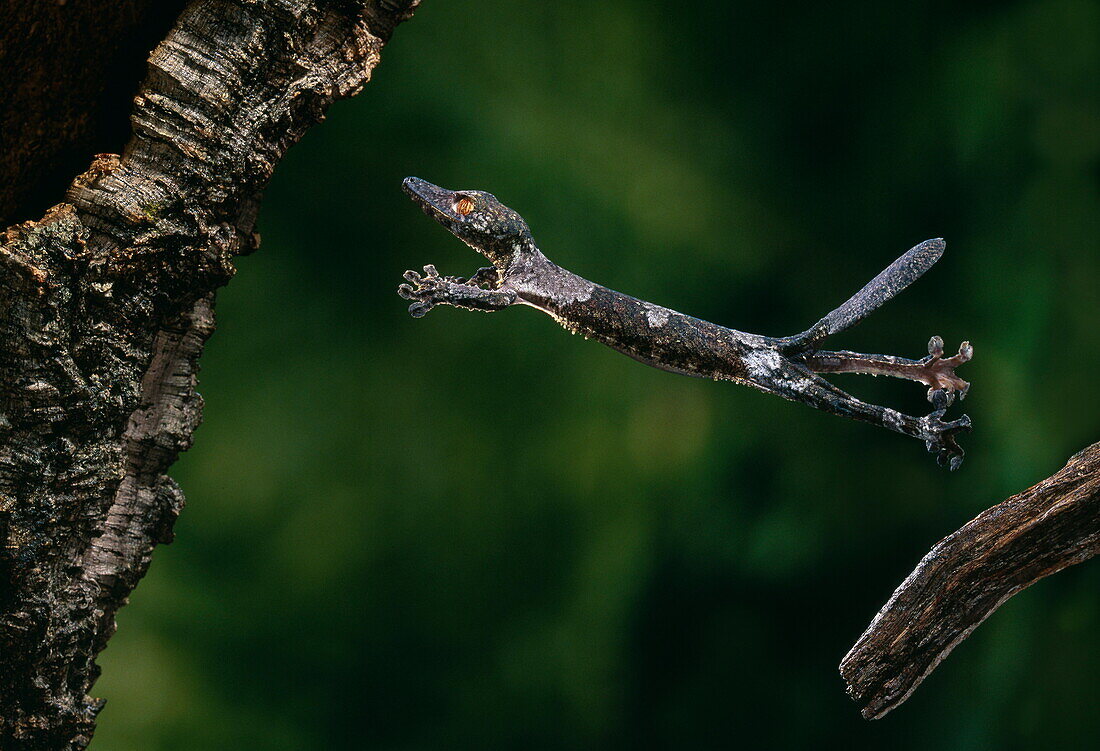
x,y
105,304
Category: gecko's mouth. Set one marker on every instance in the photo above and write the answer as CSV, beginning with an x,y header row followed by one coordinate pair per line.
x,y
434,200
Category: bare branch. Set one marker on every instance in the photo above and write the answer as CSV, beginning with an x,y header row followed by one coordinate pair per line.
x,y
968,575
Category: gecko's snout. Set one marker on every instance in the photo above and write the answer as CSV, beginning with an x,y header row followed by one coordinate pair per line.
x,y
415,186
424,192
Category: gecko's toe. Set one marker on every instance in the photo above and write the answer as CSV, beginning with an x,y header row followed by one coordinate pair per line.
x,y
941,399
951,460
420,309
935,346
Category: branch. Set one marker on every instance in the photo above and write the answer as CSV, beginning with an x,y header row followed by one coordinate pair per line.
x,y
968,575
105,304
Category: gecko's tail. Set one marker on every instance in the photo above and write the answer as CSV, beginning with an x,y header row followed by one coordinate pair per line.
x,y
880,290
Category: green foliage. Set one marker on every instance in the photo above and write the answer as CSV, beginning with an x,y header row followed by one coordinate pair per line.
x,y
475,532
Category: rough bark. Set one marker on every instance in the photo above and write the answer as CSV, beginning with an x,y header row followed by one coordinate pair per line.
x,y
968,575
105,304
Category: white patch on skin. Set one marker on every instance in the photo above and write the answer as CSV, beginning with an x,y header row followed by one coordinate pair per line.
x,y
656,316
762,363
891,418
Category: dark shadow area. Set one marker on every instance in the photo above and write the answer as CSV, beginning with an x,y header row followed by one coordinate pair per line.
x,y
69,72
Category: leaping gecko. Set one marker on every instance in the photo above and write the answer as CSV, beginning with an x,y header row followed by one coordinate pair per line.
x,y
785,366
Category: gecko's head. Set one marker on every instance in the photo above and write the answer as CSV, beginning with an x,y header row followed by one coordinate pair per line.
x,y
475,217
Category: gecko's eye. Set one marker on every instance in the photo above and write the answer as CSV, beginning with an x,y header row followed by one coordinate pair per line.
x,y
464,206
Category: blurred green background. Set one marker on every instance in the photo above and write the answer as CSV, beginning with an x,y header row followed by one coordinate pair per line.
x,y
478,532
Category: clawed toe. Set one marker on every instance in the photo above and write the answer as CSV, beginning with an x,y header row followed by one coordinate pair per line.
x,y
420,309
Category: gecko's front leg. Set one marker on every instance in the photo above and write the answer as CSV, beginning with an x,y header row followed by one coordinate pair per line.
x,y
431,289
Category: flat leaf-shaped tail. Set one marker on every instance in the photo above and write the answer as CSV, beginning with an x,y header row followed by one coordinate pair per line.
x,y
880,290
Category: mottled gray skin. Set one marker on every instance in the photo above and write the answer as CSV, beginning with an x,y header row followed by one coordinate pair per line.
x,y
669,340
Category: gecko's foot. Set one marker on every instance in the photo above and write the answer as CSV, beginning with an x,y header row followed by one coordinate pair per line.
x,y
430,289
939,372
939,435
425,291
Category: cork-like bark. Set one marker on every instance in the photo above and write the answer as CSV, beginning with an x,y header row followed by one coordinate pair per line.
x,y
968,575
105,303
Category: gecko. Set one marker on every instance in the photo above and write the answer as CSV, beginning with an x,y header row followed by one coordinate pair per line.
x,y
789,367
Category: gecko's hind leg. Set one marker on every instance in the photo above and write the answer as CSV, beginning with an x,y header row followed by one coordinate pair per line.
x,y
431,289
798,383
935,371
